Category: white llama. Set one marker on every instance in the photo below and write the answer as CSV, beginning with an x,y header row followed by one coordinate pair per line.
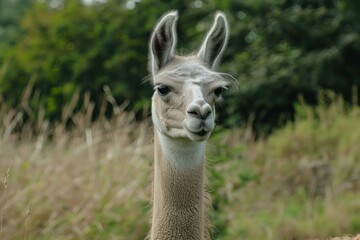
x,y
183,112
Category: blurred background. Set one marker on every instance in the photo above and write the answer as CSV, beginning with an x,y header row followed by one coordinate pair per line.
x,y
75,136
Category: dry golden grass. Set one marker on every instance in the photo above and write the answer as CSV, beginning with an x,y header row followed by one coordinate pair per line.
x,y
87,183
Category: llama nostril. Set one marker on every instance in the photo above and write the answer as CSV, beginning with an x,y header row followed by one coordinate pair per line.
x,y
194,113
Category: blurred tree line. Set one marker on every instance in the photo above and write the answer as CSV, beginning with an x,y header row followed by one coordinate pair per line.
x,y
279,50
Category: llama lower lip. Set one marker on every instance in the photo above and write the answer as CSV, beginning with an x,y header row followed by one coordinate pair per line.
x,y
201,133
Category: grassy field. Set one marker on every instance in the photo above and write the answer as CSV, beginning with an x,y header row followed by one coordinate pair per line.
x,y
94,181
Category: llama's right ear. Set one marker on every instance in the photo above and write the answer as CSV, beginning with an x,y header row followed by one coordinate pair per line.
x,y
163,42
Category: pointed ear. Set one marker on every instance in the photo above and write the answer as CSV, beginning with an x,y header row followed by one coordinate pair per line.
x,y
163,42
215,41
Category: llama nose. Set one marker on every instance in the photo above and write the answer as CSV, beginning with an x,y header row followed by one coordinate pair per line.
x,y
199,109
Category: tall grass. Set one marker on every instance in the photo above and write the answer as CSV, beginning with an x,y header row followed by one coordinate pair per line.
x,y
93,180
89,182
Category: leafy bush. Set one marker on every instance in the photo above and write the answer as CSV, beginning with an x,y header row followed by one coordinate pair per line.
x,y
278,50
286,49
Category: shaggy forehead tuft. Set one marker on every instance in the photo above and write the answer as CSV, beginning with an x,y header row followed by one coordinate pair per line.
x,y
191,70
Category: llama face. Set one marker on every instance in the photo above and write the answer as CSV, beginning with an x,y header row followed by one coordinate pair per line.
x,y
186,89
185,94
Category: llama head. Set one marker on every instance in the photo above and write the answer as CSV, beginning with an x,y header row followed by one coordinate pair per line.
x,y
186,88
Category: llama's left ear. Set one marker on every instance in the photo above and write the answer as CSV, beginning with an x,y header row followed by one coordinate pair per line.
x,y
163,42
215,41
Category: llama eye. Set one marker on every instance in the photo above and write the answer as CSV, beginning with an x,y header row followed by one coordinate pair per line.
x,y
218,91
163,90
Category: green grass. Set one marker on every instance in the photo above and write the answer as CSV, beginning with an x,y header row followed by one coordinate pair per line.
x,y
94,181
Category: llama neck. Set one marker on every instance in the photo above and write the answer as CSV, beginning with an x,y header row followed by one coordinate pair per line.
x,y
178,208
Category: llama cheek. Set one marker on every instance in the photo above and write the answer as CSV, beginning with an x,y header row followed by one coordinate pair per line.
x,y
175,114
170,123
172,119
192,124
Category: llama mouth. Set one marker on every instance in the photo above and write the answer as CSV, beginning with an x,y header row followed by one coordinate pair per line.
x,y
202,133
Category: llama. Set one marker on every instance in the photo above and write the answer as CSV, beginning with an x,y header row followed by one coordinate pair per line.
x,y
186,89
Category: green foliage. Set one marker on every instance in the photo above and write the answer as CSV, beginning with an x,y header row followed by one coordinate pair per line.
x,y
11,12
290,49
278,50
75,48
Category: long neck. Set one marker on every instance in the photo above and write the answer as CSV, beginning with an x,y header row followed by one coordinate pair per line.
x,y
178,207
